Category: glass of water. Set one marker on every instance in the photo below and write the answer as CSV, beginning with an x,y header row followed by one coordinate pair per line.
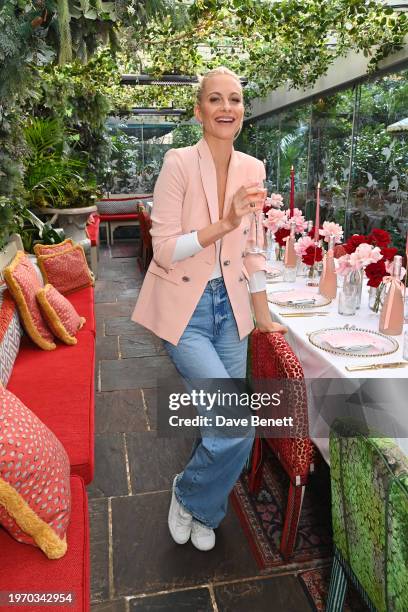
x,y
347,304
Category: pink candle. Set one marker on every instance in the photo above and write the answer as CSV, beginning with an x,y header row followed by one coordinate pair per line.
x,y
292,192
317,220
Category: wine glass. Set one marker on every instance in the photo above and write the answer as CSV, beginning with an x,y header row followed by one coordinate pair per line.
x,y
257,218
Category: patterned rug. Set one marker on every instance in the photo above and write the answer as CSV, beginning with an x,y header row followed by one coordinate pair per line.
x,y
261,517
316,582
125,249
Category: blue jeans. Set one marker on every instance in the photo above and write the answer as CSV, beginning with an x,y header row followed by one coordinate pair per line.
x,y
210,348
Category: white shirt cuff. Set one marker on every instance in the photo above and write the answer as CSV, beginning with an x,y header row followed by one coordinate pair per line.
x,y
186,246
257,281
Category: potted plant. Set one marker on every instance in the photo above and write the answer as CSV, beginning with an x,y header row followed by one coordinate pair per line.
x,y
53,180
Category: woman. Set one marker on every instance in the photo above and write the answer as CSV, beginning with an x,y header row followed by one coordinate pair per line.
x,y
194,295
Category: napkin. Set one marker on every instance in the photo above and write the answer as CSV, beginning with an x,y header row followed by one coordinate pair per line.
x,y
296,297
356,341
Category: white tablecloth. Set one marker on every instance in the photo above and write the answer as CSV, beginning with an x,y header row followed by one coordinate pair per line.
x,y
318,363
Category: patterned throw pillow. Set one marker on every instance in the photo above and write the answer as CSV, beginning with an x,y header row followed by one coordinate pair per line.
x,y
35,497
48,249
23,283
61,316
67,270
10,334
119,206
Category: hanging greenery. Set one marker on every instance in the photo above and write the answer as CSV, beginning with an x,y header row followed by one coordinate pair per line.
x,y
62,59
271,43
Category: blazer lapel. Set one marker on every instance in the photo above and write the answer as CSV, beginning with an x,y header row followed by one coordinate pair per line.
x,y
208,178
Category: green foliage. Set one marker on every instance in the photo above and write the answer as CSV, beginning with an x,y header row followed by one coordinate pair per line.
x,y
186,135
12,215
48,170
271,43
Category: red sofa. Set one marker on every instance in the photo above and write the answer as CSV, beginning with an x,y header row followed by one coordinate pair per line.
x,y
59,387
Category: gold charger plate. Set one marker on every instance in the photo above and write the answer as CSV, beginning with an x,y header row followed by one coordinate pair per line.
x,y
393,344
319,303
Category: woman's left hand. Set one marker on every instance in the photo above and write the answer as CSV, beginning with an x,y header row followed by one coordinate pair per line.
x,y
271,327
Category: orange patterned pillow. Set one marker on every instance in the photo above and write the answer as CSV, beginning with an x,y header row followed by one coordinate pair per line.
x,y
23,283
35,496
61,316
48,249
67,270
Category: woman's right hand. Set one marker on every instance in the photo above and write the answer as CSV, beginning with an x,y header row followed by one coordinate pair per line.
x,y
248,199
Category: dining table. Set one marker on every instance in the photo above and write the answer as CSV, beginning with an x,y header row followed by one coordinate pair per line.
x,y
322,366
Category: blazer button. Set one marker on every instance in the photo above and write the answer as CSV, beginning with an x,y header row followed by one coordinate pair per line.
x,y
243,254
186,279
241,278
246,230
227,262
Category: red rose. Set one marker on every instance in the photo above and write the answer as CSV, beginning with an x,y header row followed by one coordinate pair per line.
x,y
313,255
379,237
354,241
389,253
312,232
266,208
375,272
281,235
339,251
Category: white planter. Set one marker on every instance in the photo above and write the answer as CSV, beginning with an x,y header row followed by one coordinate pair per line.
x,y
72,220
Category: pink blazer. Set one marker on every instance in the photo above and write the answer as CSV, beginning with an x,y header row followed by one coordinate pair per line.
x,y
185,200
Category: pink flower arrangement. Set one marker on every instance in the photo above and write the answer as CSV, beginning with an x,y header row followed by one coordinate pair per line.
x,y
275,219
330,228
298,217
275,200
364,255
302,245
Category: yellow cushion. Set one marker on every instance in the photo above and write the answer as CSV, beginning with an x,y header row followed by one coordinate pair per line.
x,y
61,316
23,283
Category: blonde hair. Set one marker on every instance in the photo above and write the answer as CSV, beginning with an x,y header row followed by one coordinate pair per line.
x,y
202,80
212,73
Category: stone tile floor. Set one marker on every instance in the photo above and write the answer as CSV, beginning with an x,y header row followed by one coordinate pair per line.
x,y
135,565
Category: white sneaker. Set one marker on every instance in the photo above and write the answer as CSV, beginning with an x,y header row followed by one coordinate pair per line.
x,y
180,520
202,537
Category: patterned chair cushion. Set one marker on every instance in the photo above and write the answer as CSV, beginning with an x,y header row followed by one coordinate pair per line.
x,y
119,206
23,283
61,316
35,501
273,358
10,334
66,270
49,249
369,479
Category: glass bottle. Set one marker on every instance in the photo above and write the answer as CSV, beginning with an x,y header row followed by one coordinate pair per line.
x,y
290,261
328,279
392,311
303,269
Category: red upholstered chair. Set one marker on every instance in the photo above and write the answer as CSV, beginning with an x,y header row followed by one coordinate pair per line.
x,y
146,239
272,358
